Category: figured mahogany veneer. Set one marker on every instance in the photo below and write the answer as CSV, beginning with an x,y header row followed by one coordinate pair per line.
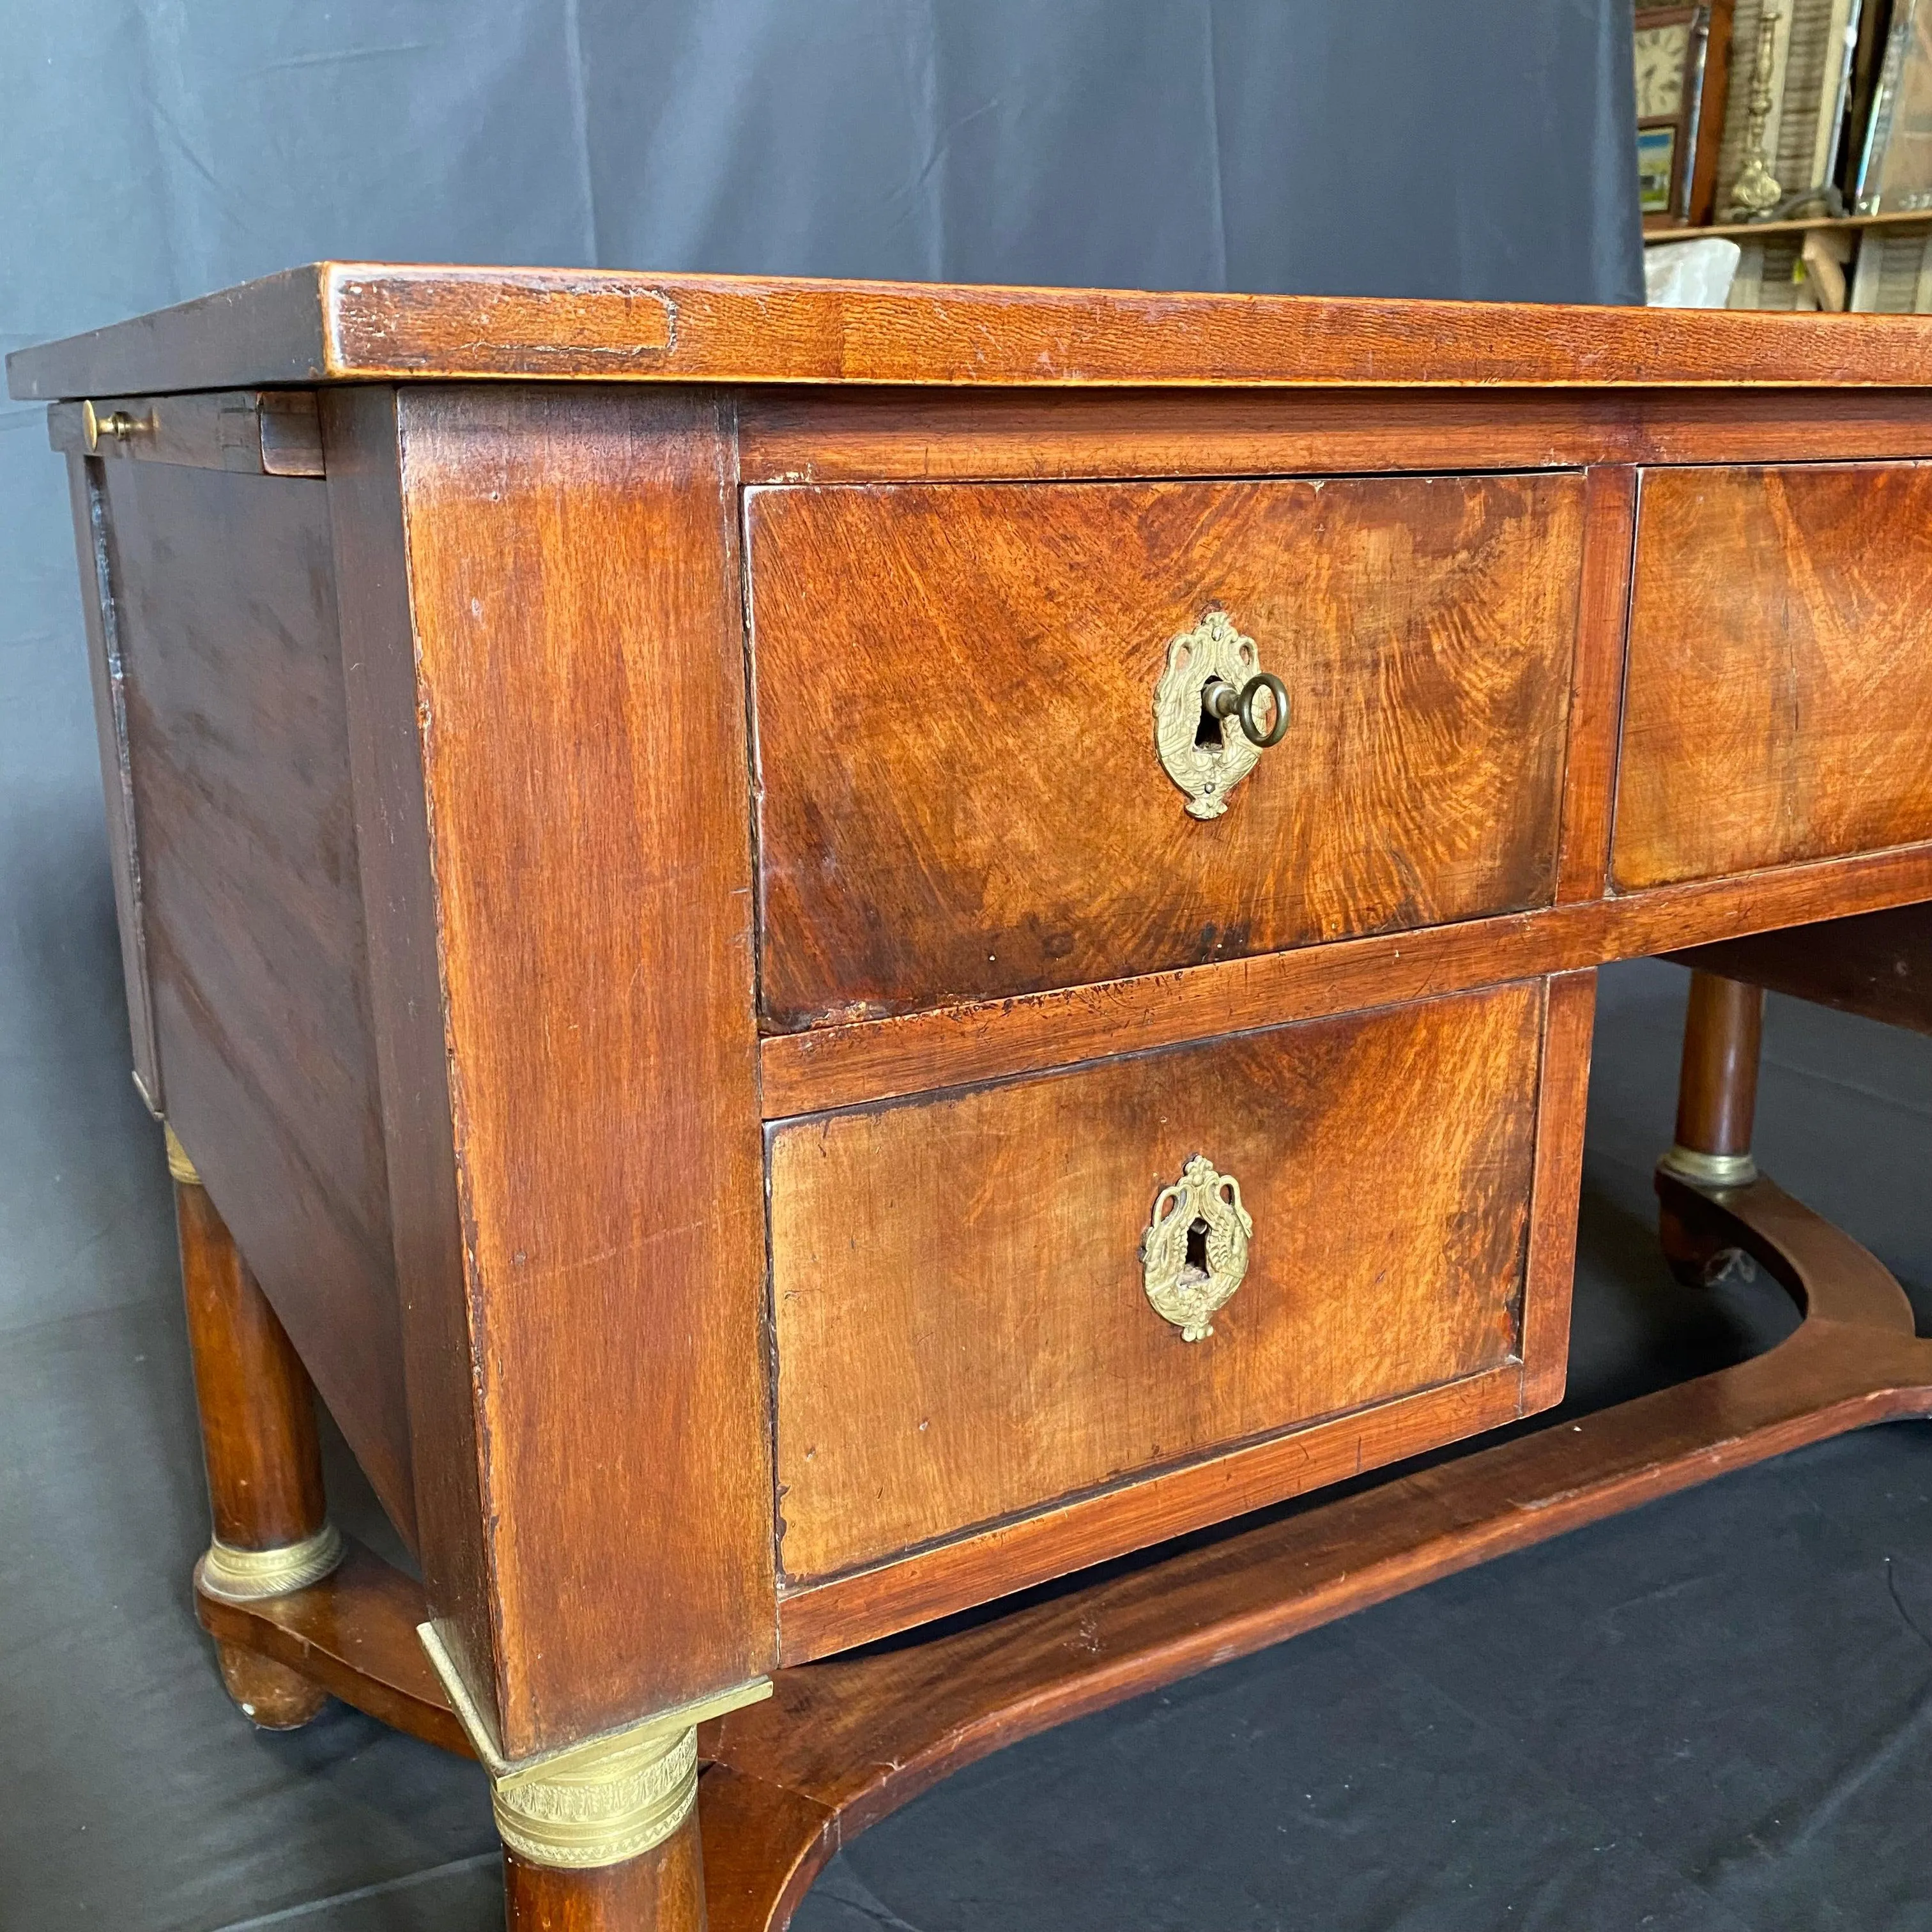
x,y
1779,680
959,799
845,1066
960,1328
646,888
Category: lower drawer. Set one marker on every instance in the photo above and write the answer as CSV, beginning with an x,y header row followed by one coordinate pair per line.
x,y
973,1321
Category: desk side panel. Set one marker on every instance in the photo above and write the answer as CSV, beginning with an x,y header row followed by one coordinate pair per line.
x,y
251,916
556,770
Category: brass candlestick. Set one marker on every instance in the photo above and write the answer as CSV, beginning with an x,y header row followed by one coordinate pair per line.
x,y
1757,191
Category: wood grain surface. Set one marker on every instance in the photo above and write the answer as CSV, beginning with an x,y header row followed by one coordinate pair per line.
x,y
271,1696
360,320
1779,682
661,1891
363,442
1717,1088
842,1743
960,794
850,433
224,608
817,1619
1563,1086
961,1327
572,659
870,1060
1597,681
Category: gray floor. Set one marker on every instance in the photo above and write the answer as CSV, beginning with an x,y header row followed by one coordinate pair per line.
x,y
1714,1714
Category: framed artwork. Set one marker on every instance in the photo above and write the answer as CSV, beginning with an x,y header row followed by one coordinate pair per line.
x,y
1682,64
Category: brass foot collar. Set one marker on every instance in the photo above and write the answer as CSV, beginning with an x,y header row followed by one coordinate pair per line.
x,y
246,1576
609,1798
179,1166
1709,1170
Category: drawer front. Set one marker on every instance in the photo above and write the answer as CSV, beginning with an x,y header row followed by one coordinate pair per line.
x,y
961,1300
1780,681
960,793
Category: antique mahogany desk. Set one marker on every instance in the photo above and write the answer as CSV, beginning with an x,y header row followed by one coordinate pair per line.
x,y
823,952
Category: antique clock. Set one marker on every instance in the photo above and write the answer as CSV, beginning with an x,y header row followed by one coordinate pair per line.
x,y
1682,59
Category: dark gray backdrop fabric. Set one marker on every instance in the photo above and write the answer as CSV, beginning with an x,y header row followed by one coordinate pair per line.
x,y
151,150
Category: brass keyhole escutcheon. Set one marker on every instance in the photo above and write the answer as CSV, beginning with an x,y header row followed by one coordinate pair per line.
x,y
1194,1253
1215,712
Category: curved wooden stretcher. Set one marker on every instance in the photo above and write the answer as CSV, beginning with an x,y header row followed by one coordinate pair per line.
x,y
843,1741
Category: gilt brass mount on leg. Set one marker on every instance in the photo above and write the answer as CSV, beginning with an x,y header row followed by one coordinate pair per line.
x,y
1708,1170
180,1169
245,1575
605,1801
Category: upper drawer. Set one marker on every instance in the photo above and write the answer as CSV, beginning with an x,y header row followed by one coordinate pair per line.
x,y
962,797
1780,669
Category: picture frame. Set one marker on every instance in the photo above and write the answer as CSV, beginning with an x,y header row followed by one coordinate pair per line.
x,y
1682,66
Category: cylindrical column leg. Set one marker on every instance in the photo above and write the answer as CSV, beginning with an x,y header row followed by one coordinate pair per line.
x,y
663,1891
258,1434
1717,1090
1716,1099
601,1835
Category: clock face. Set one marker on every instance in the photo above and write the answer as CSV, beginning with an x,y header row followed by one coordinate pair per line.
x,y
1662,54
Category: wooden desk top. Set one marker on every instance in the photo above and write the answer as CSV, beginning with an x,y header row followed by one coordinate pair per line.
x,y
352,321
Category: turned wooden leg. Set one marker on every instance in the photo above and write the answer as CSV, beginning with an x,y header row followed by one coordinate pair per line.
x,y
663,1891
271,1696
258,1434
1717,1098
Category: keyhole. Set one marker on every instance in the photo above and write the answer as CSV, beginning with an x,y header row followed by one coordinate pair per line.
x,y
1207,733
1197,1250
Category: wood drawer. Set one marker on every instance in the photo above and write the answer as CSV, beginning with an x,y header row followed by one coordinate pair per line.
x,y
963,1328
960,794
1779,676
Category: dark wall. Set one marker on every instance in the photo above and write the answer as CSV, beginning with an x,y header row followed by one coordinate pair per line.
x,y
1360,147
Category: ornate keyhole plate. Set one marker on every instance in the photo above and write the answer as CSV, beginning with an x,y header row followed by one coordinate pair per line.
x,y
1194,1251
1207,762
